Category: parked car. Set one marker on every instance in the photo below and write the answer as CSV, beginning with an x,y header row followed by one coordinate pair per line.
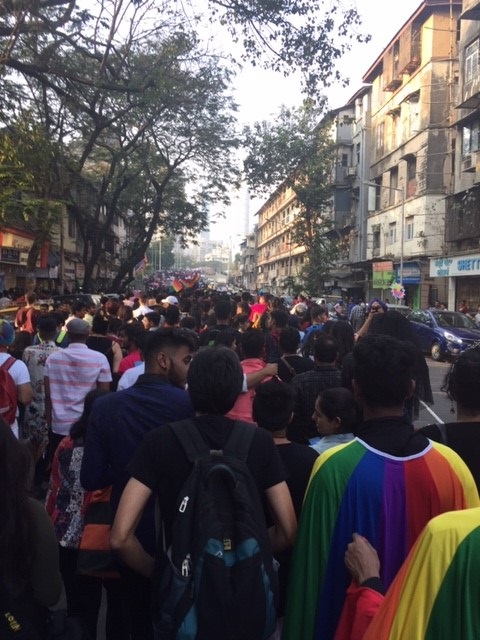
x,y
444,334
401,308
87,298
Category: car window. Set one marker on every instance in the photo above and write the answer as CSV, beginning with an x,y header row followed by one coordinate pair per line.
x,y
454,319
417,316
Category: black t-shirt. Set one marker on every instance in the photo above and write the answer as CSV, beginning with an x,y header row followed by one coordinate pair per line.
x,y
462,437
298,460
161,464
298,363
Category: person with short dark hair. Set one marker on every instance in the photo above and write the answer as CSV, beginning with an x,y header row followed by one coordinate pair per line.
x,y
308,385
34,421
223,314
291,362
385,485
272,410
252,353
318,315
462,386
172,316
161,467
129,334
119,423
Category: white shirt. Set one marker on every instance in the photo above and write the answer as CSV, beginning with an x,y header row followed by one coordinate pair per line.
x,y
142,310
130,376
20,375
72,373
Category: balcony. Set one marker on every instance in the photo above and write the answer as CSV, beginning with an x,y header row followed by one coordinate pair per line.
x,y
471,94
471,10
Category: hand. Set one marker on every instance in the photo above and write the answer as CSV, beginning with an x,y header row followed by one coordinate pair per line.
x,y
271,369
361,559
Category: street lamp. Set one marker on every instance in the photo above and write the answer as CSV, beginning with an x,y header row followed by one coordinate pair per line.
x,y
401,190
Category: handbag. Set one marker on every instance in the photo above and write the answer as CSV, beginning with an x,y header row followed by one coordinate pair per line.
x,y
95,556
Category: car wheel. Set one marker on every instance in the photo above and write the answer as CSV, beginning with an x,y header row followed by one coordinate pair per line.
x,y
436,352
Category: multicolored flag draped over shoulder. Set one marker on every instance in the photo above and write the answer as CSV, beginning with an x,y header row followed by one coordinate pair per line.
x,y
387,499
437,592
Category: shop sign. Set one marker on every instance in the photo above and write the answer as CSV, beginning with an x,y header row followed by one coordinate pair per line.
x,y
411,273
383,274
8,254
457,266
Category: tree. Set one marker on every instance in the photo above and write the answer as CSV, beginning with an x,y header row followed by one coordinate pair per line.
x,y
29,184
297,151
163,150
140,110
283,35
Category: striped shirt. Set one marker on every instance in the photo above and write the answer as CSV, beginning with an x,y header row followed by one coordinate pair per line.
x,y
72,373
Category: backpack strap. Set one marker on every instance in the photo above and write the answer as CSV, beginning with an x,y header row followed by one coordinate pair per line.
x,y
238,444
8,363
290,369
191,439
195,447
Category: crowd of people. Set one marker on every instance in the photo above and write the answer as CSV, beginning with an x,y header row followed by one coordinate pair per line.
x,y
94,400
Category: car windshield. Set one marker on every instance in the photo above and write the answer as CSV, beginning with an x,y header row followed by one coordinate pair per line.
x,y
454,319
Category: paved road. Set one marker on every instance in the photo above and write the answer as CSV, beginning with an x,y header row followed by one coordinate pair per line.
x,y
440,411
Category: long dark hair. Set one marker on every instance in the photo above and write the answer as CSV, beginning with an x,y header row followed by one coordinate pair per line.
x,y
79,428
16,531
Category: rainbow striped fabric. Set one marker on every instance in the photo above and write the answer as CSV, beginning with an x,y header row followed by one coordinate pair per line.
x,y
437,591
387,499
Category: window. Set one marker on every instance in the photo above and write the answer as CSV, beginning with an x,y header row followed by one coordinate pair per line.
x,y
471,138
414,112
358,150
411,168
392,233
471,61
376,239
409,228
393,193
344,159
380,137
72,225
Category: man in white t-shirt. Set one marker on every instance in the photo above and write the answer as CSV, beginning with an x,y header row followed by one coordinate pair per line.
x,y
143,308
18,370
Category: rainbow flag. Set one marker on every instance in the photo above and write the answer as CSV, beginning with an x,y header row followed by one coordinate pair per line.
x,y
437,591
140,266
387,499
177,285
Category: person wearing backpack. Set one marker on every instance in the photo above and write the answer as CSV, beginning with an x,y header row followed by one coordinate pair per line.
x,y
15,385
164,465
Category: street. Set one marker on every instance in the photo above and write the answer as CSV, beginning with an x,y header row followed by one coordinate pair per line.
x,y
441,407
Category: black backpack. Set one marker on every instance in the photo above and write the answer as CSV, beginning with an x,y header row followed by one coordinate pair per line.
x,y
217,581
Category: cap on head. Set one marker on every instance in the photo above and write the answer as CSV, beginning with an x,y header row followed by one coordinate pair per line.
x,y
7,333
78,327
170,300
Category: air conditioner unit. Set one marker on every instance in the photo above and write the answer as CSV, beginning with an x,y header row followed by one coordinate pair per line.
x,y
467,164
352,171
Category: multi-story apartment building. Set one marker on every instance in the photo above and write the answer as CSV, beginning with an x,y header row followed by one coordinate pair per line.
x,y
248,263
413,95
462,230
280,260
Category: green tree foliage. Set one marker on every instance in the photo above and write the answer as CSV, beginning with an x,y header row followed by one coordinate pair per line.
x,y
29,184
306,36
139,109
297,151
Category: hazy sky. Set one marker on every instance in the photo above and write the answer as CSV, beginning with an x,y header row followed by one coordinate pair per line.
x,y
261,93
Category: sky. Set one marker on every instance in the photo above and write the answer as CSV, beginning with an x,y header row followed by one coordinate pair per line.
x,y
260,94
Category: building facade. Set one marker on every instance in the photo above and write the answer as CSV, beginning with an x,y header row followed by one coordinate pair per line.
x,y
413,94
